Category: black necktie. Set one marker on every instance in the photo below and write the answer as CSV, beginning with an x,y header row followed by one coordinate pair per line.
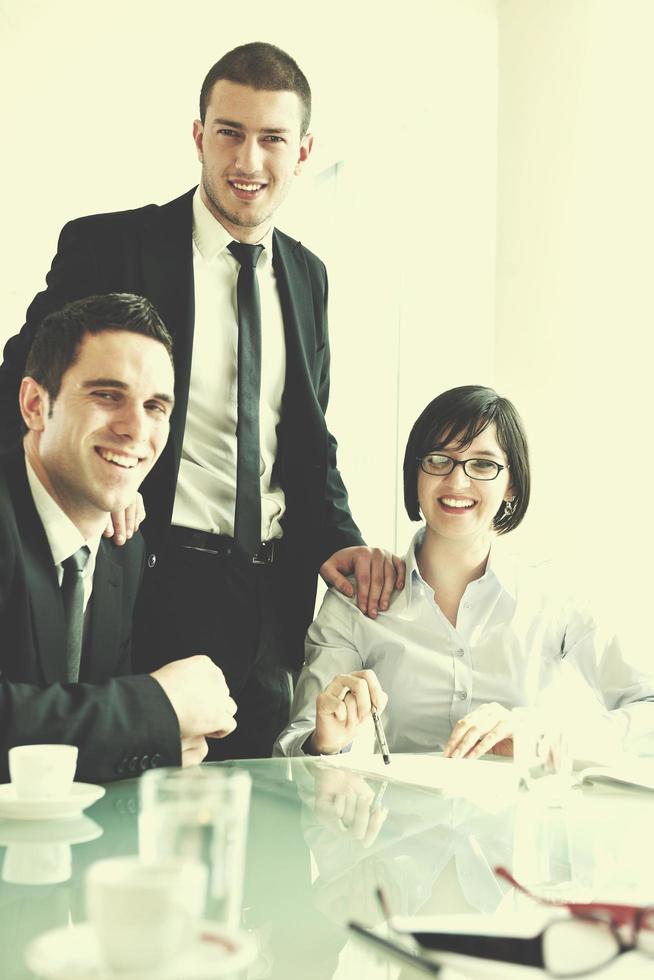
x,y
72,591
247,519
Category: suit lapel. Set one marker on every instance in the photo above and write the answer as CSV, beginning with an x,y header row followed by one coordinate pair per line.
x,y
296,301
45,595
166,278
106,617
167,263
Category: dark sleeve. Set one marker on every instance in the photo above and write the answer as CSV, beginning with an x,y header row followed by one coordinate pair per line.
x,y
121,727
339,528
132,579
73,275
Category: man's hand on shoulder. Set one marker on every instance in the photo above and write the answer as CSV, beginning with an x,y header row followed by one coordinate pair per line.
x,y
377,573
123,524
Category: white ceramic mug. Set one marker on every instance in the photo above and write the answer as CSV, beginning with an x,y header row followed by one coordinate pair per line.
x,y
144,914
42,772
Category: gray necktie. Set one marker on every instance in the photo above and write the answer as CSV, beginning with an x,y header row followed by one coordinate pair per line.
x,y
72,593
247,518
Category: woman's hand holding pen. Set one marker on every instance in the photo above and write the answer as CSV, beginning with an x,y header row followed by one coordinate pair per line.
x,y
344,704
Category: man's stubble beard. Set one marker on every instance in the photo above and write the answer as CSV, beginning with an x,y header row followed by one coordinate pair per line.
x,y
230,216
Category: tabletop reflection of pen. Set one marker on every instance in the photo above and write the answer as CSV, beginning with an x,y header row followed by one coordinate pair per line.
x,y
381,737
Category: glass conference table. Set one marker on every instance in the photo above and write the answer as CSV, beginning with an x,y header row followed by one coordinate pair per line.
x,y
322,840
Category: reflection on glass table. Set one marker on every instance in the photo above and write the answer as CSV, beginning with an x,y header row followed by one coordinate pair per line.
x,y
321,841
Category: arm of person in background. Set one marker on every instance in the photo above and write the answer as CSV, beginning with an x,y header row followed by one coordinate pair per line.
x,y
600,699
332,666
125,725
121,727
609,700
73,274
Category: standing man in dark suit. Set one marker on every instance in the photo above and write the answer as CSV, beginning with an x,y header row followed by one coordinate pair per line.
x,y
244,597
96,403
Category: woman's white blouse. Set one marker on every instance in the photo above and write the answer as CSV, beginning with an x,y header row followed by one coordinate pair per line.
x,y
519,640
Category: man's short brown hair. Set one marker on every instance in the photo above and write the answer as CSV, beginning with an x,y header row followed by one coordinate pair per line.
x,y
264,67
57,341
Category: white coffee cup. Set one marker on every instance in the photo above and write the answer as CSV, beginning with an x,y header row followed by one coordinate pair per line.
x,y
42,772
144,914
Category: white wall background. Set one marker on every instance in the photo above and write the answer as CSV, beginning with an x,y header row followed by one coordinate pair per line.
x,y
575,303
481,191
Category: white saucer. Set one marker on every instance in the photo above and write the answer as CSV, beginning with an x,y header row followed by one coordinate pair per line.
x,y
81,796
69,830
72,954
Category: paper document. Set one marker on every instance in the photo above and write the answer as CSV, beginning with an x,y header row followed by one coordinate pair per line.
x,y
637,773
488,782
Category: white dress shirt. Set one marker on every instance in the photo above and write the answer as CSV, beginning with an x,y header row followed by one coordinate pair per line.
x,y
205,498
519,640
63,536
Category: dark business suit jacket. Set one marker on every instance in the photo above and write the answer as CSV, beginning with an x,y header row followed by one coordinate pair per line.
x,y
148,251
121,724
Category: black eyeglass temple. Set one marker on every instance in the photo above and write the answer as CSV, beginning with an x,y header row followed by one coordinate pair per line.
x,y
508,949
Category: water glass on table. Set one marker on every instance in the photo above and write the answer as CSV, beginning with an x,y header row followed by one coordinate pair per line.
x,y
200,814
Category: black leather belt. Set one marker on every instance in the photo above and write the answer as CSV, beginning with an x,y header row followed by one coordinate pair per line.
x,y
220,545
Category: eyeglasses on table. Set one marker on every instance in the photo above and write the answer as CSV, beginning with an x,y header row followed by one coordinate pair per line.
x,y
589,939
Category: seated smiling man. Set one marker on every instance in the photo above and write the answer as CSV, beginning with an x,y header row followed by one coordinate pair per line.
x,y
96,401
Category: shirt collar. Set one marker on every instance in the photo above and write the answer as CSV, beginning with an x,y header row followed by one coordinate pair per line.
x,y
500,566
63,536
413,576
211,238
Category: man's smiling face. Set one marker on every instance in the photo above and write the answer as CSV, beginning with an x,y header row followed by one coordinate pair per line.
x,y
93,446
250,149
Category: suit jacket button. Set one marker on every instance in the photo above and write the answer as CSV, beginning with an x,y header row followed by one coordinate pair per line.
x,y
121,768
155,760
152,561
133,763
145,762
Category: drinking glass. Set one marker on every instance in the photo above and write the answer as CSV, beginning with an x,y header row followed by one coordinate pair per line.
x,y
200,814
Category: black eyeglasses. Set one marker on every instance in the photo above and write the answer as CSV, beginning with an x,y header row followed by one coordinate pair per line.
x,y
434,464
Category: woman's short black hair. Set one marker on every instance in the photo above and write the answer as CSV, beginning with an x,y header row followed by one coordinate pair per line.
x,y
460,414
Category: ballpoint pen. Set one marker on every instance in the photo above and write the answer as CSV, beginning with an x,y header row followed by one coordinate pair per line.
x,y
379,732
395,949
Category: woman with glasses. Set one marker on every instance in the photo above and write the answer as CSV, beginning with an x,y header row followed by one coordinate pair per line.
x,y
472,635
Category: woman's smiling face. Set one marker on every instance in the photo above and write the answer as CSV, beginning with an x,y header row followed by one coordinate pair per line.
x,y
457,507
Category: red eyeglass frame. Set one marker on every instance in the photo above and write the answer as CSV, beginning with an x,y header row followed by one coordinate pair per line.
x,y
636,916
